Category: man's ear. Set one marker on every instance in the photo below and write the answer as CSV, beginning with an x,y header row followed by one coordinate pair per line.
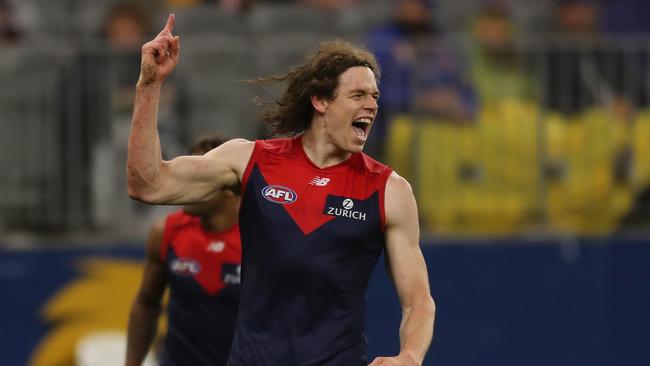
x,y
319,104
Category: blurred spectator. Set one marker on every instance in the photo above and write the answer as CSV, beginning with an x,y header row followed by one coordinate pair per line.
x,y
236,6
182,3
20,20
421,71
576,18
626,17
497,68
639,215
9,32
126,26
109,84
229,6
585,67
329,5
572,77
125,29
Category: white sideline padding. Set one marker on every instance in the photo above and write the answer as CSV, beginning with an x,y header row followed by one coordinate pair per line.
x,y
105,348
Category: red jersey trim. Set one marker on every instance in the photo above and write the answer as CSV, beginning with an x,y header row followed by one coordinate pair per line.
x,y
176,220
251,163
384,171
172,223
382,211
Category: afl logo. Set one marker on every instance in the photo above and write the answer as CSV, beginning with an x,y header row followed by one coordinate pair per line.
x,y
185,267
279,194
348,204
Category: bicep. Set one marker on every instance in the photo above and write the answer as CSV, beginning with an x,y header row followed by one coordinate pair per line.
x,y
194,179
404,258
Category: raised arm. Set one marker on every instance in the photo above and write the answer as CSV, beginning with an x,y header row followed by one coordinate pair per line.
x,y
408,271
186,179
143,319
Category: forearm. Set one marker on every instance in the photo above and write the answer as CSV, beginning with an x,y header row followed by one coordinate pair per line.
x,y
143,322
144,154
416,329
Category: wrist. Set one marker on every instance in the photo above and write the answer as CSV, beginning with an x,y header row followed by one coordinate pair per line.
x,y
148,85
148,88
411,357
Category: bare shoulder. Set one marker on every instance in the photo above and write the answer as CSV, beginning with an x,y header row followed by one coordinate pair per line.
x,y
397,187
236,151
399,200
233,147
154,242
239,143
158,227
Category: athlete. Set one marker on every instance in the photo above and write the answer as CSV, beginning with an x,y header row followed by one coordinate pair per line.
x,y
316,212
196,252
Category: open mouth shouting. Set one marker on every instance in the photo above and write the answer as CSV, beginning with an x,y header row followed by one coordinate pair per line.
x,y
361,127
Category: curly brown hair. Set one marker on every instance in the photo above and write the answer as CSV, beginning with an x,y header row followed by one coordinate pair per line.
x,y
317,76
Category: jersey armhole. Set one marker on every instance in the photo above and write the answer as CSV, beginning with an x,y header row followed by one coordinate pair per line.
x,y
249,167
382,199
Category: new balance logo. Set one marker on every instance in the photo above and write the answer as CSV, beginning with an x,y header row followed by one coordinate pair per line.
x,y
319,182
216,246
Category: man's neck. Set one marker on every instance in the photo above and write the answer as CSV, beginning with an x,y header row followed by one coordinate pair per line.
x,y
219,221
321,151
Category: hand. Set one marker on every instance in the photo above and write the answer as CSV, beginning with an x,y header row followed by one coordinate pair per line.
x,y
403,359
160,56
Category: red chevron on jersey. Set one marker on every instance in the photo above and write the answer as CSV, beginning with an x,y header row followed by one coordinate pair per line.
x,y
212,259
302,188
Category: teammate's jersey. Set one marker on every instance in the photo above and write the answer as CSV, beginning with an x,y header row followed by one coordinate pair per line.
x,y
311,238
203,272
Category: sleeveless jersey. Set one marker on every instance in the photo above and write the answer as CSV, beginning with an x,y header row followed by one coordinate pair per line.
x,y
311,238
203,272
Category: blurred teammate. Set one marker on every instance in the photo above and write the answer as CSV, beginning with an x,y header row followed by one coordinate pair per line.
x,y
195,251
316,213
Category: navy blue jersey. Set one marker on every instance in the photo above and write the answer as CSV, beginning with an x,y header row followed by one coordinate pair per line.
x,y
311,238
203,270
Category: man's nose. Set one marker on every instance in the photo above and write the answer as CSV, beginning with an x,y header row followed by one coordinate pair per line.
x,y
371,103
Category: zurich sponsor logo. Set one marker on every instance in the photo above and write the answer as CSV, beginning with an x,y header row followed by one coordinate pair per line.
x,y
346,210
185,267
279,194
231,273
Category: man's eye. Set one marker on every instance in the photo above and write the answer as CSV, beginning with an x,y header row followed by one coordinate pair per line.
x,y
356,97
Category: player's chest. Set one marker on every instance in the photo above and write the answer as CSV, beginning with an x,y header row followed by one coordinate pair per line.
x,y
314,200
199,266
192,253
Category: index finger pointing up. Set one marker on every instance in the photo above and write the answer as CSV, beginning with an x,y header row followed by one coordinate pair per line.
x,y
171,20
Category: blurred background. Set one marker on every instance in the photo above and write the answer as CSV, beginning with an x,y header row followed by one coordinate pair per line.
x,y
523,127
